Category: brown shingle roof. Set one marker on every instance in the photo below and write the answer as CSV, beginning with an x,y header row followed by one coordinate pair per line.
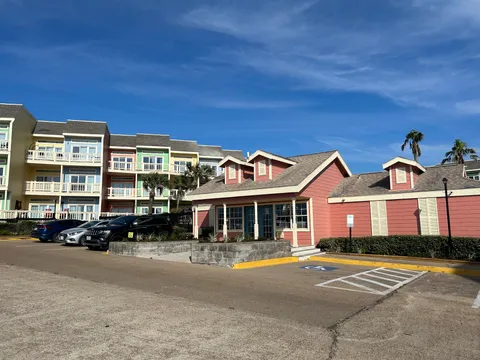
x,y
123,140
292,176
49,128
210,150
85,127
379,183
183,145
153,140
234,153
9,110
472,164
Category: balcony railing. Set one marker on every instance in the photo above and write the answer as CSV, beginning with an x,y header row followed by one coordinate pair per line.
x,y
121,166
50,214
153,167
145,194
121,192
178,169
66,188
3,181
60,157
4,145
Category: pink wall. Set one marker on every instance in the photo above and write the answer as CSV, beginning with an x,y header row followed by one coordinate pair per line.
x,y
203,218
278,168
464,215
401,186
258,177
318,190
402,217
338,219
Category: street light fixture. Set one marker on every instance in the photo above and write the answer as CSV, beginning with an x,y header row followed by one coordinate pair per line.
x,y
445,181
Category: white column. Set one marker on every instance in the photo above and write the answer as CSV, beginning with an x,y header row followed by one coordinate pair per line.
x,y
311,222
225,234
195,222
255,226
294,224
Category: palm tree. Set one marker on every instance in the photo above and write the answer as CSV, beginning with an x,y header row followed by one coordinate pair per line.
x,y
152,183
459,150
414,138
182,184
200,174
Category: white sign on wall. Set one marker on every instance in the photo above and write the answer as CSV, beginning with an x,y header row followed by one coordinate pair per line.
x,y
350,221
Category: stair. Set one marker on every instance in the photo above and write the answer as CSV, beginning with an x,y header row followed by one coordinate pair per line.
x,y
304,252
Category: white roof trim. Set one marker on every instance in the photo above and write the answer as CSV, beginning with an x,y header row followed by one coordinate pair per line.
x,y
7,118
407,195
235,160
404,161
83,135
153,147
48,136
279,190
123,147
270,156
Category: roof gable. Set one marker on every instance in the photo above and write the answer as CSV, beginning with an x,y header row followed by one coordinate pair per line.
x,y
402,160
234,160
270,156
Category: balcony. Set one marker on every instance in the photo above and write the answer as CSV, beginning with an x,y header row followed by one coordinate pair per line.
x,y
149,167
3,181
144,194
121,193
4,145
121,167
39,187
178,169
51,157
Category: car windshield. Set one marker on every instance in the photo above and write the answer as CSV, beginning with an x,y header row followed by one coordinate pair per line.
x,y
124,220
89,224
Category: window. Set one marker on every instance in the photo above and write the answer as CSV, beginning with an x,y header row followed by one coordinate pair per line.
x,y
215,170
155,210
401,175
82,179
428,214
378,213
43,178
152,163
180,166
232,171
122,163
262,167
84,149
234,218
3,136
283,216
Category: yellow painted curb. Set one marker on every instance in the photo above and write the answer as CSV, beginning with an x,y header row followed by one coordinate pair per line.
x,y
262,263
106,252
17,239
438,269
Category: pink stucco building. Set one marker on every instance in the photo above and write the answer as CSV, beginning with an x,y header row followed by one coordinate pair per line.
x,y
308,197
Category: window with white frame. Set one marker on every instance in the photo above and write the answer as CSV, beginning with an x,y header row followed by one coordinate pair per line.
x,y
180,166
262,167
155,210
401,175
232,171
283,215
47,178
84,149
234,218
152,163
121,162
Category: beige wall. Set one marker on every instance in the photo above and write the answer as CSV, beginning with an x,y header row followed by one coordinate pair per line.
x,y
22,128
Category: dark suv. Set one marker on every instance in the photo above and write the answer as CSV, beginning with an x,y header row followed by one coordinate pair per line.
x,y
129,226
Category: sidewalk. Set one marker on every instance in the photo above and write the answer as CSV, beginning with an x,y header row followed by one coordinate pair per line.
x,y
421,264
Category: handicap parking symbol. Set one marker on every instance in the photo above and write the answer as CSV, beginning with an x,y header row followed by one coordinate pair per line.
x,y
318,267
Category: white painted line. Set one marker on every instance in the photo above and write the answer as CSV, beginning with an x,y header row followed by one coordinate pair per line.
x,y
396,272
365,289
372,281
381,277
476,302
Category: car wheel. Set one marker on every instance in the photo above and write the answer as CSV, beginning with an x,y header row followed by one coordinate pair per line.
x,y
116,238
92,248
81,241
55,237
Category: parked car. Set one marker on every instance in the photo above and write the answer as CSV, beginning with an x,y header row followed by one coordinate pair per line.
x,y
129,226
51,230
76,235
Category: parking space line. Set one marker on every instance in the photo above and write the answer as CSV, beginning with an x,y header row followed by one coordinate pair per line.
x,y
389,284
476,302
396,272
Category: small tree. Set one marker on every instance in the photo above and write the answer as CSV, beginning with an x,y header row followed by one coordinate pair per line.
x,y
414,138
182,184
459,150
200,174
151,183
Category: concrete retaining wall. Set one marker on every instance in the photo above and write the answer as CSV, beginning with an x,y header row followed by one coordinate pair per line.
x,y
234,253
150,249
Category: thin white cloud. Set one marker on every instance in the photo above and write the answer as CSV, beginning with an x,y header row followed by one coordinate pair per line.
x,y
469,106
400,56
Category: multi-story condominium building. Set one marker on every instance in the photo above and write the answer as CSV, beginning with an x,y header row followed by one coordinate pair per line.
x,y
78,167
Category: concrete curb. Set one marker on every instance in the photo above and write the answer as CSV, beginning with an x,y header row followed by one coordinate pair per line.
x,y
438,269
17,238
263,263
414,258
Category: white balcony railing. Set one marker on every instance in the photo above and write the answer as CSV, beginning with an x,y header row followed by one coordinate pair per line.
x,y
153,167
60,157
4,145
178,169
145,194
3,181
50,214
121,166
56,187
121,193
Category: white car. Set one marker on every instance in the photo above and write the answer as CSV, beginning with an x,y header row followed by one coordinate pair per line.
x,y
76,236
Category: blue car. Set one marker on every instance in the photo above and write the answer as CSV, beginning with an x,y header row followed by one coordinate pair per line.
x,y
50,231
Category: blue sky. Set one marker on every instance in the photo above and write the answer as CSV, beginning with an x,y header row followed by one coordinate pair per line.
x,y
285,76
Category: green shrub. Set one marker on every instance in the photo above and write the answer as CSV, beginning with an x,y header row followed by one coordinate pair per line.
x,y
406,245
5,232
206,231
18,228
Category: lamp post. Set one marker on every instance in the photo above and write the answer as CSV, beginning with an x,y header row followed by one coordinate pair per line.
x,y
445,181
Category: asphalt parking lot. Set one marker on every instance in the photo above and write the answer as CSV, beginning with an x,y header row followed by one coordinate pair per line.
x,y
69,303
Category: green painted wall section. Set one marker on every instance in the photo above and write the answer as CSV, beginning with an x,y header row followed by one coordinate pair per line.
x,y
166,192
149,152
162,204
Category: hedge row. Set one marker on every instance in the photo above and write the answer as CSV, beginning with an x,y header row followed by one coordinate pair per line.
x,y
463,248
17,228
